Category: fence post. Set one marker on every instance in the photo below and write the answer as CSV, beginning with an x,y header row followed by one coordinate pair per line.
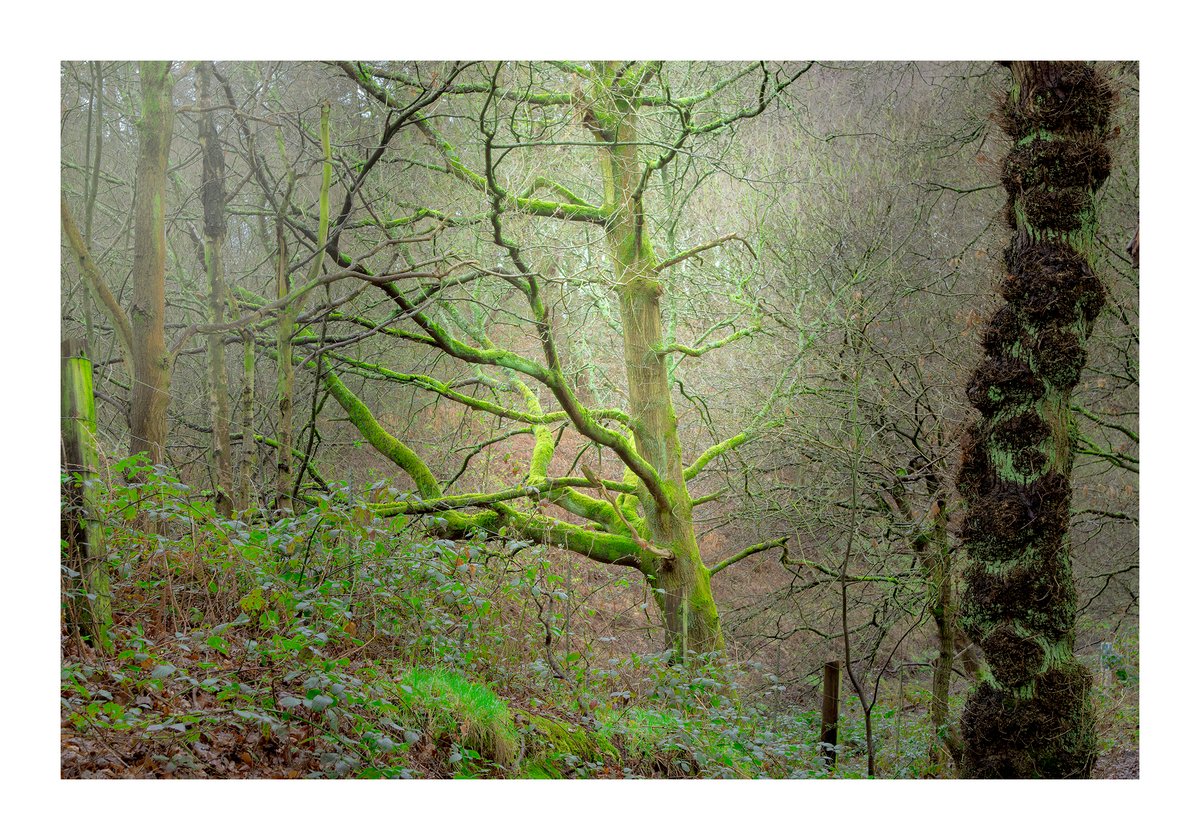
x,y
829,713
90,609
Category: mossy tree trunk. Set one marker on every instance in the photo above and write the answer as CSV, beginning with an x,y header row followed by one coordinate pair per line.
x,y
1031,717
212,193
932,546
90,607
151,364
286,380
285,376
681,582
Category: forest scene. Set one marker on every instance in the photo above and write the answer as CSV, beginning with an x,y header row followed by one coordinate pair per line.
x,y
599,419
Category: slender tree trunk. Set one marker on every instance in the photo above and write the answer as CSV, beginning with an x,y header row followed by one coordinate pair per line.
x,y
681,582
1032,717
286,383
246,464
285,378
212,193
151,365
92,161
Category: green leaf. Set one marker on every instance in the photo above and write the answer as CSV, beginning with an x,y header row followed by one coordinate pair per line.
x,y
321,702
164,670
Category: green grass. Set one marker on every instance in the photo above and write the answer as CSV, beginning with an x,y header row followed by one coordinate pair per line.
x,y
452,708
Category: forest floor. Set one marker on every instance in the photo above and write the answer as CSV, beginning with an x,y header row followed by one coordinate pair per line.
x,y
336,645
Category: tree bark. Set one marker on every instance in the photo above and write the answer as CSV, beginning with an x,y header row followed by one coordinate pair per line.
x,y
1031,717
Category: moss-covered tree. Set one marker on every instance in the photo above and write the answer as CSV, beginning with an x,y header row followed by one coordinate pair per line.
x,y
644,521
1032,717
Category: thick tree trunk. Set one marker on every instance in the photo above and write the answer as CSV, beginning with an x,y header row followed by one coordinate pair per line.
x,y
212,193
682,581
1031,717
151,365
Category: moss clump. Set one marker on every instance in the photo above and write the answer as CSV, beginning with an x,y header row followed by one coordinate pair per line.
x,y
1063,98
1003,382
1050,282
1002,332
1056,208
1013,659
1059,357
1048,736
451,708
555,745
1059,163
1021,435
1037,594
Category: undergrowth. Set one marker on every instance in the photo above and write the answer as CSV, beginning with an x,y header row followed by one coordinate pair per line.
x,y
334,643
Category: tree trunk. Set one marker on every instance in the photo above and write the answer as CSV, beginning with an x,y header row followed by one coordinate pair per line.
x,y
942,607
246,464
285,377
212,192
1032,717
151,365
90,611
682,581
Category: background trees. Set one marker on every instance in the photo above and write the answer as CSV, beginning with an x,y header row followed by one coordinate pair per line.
x,y
686,320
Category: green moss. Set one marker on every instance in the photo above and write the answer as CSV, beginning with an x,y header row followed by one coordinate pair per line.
x,y
552,741
644,735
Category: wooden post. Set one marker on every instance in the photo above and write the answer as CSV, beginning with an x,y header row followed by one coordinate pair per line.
x,y
90,610
829,713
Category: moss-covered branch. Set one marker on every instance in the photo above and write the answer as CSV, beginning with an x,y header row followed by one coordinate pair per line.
x,y
387,445
715,451
696,352
691,252
749,551
1108,424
